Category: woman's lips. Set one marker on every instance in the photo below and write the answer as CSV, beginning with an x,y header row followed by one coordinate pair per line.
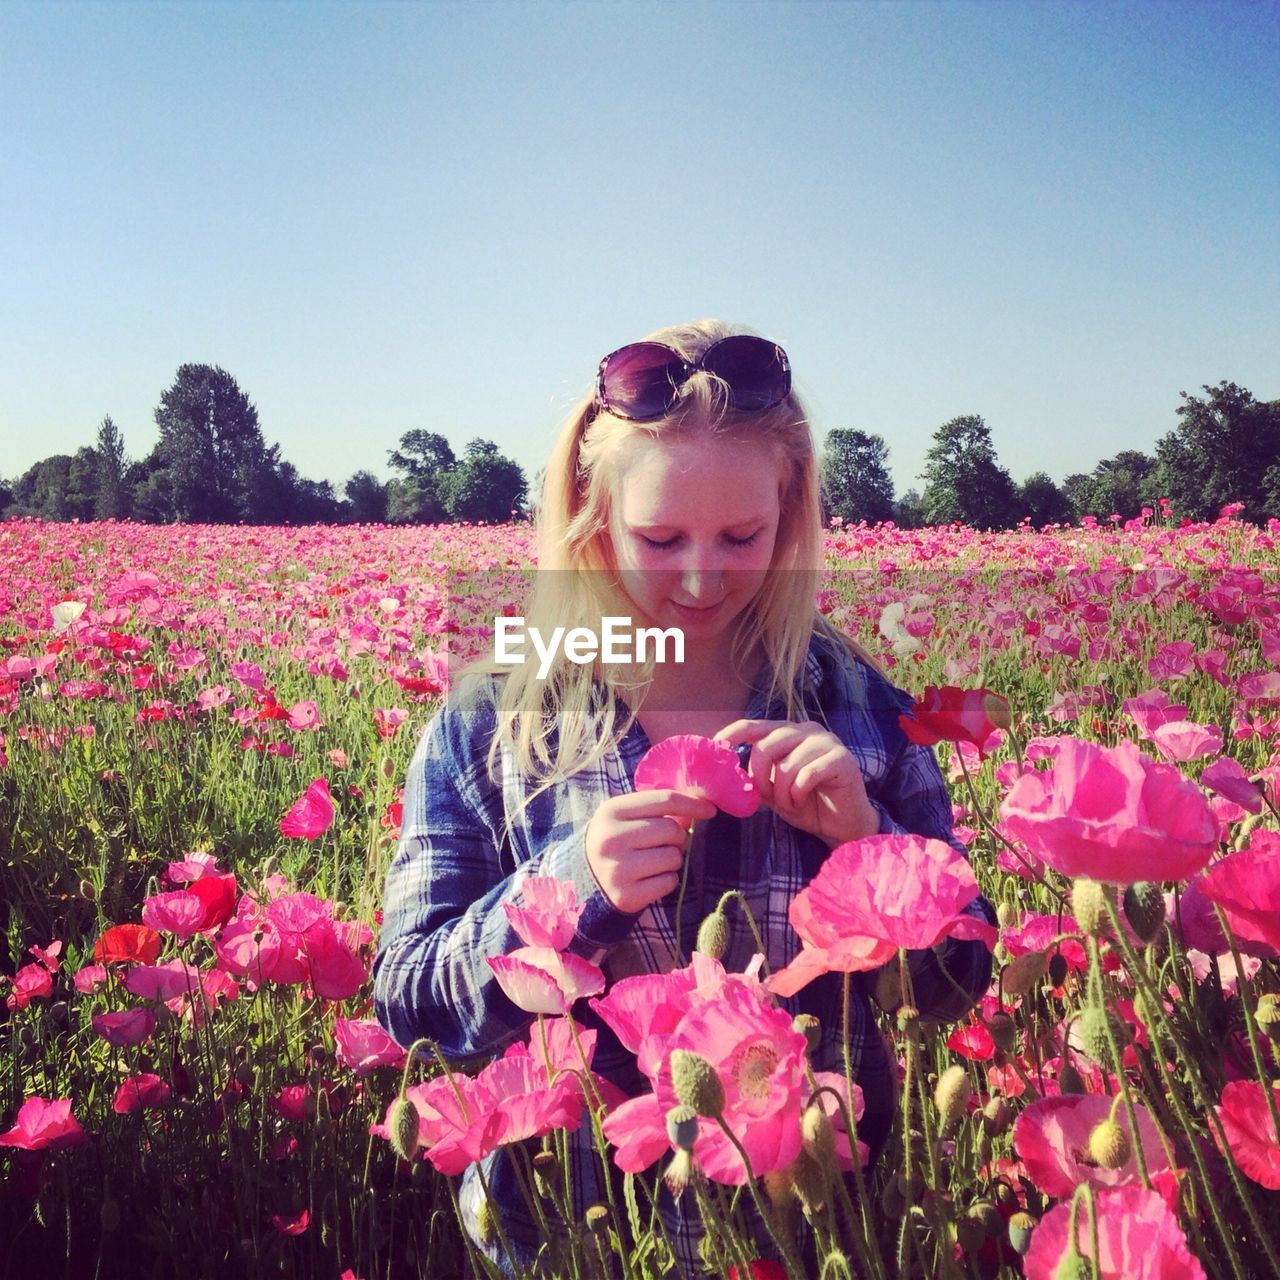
x,y
695,614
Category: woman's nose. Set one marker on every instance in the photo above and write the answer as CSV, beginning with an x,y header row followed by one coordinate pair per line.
x,y
703,583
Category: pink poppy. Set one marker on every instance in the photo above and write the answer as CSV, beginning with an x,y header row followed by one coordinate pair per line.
x,y
1052,1139
304,715
388,720
31,982
1138,1239
454,1133
548,913
336,971
191,866
952,715
1228,779
1112,814
760,1059
1152,709
1246,885
89,978
294,1226
528,1104
698,766
363,1046
644,1010
48,956
311,814
142,1090
1182,740
177,912
874,896
126,1027
540,980
44,1124
1251,1134
162,981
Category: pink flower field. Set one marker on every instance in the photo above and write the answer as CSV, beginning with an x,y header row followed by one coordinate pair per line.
x,y
203,736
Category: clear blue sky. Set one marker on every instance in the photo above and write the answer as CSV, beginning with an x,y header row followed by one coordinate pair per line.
x,y
381,217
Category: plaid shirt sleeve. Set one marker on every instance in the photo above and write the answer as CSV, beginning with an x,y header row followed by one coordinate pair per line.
x,y
451,875
913,797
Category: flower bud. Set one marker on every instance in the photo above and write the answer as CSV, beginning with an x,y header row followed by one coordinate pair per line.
x,y
1144,909
996,1116
1021,1225
1006,915
951,1096
1097,1028
1089,904
818,1135
810,1028
970,1234
1075,1266
679,1172
403,1125
87,890
1004,1034
696,1084
908,1017
682,1127
1268,1016
1057,969
1069,1079
597,1218
1109,1145
545,1170
997,709
811,1183
486,1226
713,935
388,768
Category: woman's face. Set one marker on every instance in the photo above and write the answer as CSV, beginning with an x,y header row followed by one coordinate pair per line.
x,y
693,528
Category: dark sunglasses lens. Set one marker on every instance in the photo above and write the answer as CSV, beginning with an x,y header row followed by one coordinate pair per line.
x,y
755,369
640,381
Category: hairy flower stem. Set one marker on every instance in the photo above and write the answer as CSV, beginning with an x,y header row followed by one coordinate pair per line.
x,y
1154,1005
684,884
872,1253
1117,1056
784,1246
1245,992
751,923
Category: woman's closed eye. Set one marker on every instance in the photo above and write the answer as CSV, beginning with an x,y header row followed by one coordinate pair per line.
x,y
669,543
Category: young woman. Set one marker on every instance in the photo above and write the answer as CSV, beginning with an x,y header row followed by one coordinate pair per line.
x,y
682,492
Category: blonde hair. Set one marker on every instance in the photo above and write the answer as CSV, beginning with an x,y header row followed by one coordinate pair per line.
x,y
564,723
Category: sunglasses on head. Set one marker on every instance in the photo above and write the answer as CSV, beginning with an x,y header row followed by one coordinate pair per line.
x,y
643,379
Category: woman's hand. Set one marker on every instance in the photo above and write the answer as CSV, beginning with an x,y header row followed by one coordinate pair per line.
x,y
635,844
807,776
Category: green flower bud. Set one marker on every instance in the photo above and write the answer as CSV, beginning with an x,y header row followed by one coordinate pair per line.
x,y
1074,1266
818,1135
811,1183
1144,909
546,1171
970,1234
809,1027
997,709
696,1084
403,1125
1089,904
713,935
1268,1016
1109,1145
991,1218
951,1096
486,1226
1021,1225
597,1218
1007,915
682,1127
1093,1028
996,1116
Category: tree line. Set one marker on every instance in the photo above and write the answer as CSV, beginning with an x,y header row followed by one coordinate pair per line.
x,y
211,464
1225,448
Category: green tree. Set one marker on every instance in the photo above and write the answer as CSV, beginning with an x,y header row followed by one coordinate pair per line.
x,y
211,447
150,489
908,511
1117,486
60,487
417,497
1042,500
1221,451
485,485
112,499
856,484
963,479
366,497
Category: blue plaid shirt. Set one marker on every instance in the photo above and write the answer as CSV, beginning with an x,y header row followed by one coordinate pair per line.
x,y
455,867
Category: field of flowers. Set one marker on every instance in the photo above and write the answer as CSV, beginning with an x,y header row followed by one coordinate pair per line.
x,y
203,733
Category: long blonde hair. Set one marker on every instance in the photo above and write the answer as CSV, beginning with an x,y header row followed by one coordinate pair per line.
x,y
556,726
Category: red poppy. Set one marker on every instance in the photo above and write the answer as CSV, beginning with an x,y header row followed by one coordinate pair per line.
x,y
129,943
952,715
762,1269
